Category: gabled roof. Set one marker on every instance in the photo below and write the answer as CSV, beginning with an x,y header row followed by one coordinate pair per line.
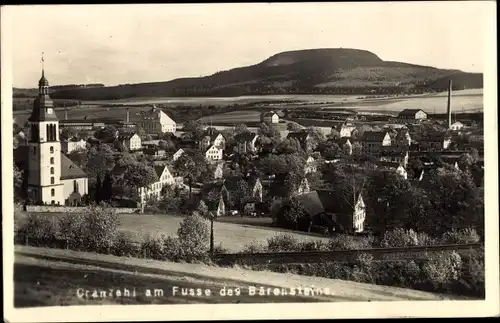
x,y
299,135
269,114
377,136
159,169
245,136
69,169
409,112
126,135
435,136
335,202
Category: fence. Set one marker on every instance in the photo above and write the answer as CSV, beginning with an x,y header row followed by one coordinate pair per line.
x,y
70,209
379,254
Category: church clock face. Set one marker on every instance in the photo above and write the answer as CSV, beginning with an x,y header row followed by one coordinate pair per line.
x,y
50,110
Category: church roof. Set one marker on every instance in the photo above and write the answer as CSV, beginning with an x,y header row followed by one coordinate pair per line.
x,y
68,168
43,81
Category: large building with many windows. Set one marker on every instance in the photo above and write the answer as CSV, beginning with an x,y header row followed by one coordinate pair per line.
x,y
51,177
155,121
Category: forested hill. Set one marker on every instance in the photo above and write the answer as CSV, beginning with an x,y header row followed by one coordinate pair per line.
x,y
305,71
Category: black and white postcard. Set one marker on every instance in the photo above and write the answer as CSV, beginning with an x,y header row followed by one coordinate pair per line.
x,y
249,161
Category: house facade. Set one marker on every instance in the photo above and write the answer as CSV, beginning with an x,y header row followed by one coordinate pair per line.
x,y
214,153
373,142
456,126
310,166
246,142
435,142
346,129
412,114
154,190
155,121
131,141
71,144
269,117
177,154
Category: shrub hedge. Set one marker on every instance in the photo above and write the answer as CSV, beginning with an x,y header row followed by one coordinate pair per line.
x,y
97,231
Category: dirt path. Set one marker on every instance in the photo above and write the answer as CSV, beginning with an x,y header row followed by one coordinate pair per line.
x,y
56,277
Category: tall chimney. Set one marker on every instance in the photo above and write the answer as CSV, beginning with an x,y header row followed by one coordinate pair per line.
x,y
66,113
449,104
128,115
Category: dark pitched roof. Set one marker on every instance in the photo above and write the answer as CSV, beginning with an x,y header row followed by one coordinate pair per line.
x,y
159,169
377,136
126,135
299,135
409,112
268,114
334,202
435,136
69,169
245,136
311,203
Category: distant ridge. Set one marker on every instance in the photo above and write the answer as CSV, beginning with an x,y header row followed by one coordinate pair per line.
x,y
310,71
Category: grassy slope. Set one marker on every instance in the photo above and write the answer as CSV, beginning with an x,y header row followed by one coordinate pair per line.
x,y
50,277
232,236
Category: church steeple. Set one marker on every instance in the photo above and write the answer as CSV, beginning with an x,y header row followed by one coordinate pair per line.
x,y
43,107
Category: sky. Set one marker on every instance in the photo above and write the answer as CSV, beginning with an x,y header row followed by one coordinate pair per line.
x,y
118,44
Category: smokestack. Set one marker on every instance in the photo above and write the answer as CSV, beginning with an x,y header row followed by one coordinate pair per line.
x,y
128,115
449,104
66,113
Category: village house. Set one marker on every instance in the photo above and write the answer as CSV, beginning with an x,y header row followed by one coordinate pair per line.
x,y
131,141
165,177
327,209
177,154
212,138
154,151
346,145
71,144
304,138
401,171
213,153
219,170
81,124
310,165
412,115
373,141
246,142
155,121
217,207
434,141
395,156
269,117
278,189
346,129
457,126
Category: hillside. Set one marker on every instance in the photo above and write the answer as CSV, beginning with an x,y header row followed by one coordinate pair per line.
x,y
48,277
305,71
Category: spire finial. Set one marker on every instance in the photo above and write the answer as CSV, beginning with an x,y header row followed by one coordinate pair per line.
x,y
43,65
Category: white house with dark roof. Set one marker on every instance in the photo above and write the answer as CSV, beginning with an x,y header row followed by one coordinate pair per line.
x,y
412,114
52,178
130,140
246,142
156,121
214,153
373,141
71,144
269,117
457,125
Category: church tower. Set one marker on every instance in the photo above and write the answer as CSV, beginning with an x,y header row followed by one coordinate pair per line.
x,y
44,166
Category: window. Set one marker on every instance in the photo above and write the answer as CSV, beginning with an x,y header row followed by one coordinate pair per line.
x,y
34,151
52,192
52,180
52,171
52,160
51,149
75,186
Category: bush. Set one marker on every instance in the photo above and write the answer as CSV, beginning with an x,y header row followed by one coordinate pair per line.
x,y
317,245
101,228
254,248
346,242
153,247
194,236
471,280
400,274
441,270
463,236
124,247
282,242
399,238
73,230
194,231
42,230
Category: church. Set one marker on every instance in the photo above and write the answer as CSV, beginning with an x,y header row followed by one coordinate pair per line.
x,y
50,176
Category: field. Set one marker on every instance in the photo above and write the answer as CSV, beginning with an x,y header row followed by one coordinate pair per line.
x,y
232,232
51,277
466,101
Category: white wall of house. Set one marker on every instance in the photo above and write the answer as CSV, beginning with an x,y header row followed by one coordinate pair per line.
x,y
359,216
420,115
78,185
213,154
133,143
154,190
68,146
